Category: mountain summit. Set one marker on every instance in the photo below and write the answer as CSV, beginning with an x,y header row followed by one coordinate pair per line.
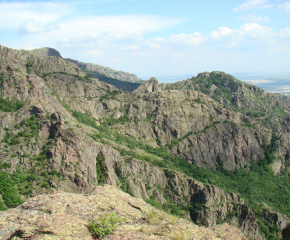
x,y
47,52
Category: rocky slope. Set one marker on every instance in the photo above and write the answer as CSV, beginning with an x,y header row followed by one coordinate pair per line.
x,y
66,216
61,129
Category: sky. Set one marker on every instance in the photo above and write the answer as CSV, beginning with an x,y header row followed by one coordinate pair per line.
x,y
168,39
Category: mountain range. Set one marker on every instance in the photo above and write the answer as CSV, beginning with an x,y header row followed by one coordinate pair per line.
x,y
210,149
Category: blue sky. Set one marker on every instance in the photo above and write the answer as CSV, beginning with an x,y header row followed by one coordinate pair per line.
x,y
157,38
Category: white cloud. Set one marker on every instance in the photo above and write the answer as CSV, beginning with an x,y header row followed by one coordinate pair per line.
x,y
30,26
124,37
131,48
190,39
106,31
95,53
158,39
222,32
253,18
179,55
285,6
13,14
153,45
252,4
284,33
124,27
255,30
250,35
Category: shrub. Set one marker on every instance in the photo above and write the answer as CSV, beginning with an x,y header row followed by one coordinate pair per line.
x,y
10,106
28,64
104,225
154,217
2,206
101,169
181,236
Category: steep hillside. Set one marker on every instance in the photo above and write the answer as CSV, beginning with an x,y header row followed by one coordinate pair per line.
x,y
180,150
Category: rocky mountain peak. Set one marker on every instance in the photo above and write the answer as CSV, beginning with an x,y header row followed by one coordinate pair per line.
x,y
152,85
47,52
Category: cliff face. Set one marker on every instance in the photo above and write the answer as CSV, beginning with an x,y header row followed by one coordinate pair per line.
x,y
209,204
68,131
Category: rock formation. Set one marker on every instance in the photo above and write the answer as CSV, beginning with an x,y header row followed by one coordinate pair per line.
x,y
152,85
61,129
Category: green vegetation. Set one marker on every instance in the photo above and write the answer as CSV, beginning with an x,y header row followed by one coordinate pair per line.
x,y
8,190
84,118
85,78
170,207
101,169
28,64
32,125
10,106
104,225
109,95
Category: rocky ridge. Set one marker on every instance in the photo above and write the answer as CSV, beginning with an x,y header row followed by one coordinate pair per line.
x,y
74,155
109,72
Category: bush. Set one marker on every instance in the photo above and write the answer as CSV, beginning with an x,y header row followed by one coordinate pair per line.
x,y
11,197
28,64
104,225
10,106
101,169
2,206
154,217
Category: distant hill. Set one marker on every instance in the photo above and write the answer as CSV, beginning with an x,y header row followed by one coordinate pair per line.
x,y
109,72
125,86
120,79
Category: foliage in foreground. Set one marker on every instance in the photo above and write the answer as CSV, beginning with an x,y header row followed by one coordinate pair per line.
x,y
104,224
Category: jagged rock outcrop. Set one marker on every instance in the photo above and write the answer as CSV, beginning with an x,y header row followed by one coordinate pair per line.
x,y
152,85
212,205
277,219
66,216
